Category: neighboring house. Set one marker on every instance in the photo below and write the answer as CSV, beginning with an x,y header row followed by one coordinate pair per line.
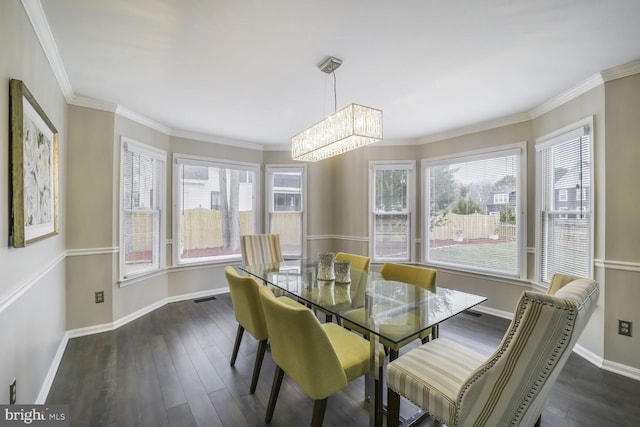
x,y
498,200
202,188
570,194
287,192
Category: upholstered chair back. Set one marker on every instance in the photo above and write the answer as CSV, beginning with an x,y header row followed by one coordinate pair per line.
x,y
301,347
247,306
358,262
417,276
512,386
558,281
261,249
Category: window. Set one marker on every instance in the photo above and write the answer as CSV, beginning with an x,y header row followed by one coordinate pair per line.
x,y
562,195
392,203
285,210
215,203
141,208
473,209
564,227
500,199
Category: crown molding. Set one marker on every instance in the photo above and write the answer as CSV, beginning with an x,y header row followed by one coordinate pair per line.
x,y
81,101
143,120
216,139
621,71
38,19
397,142
478,127
566,96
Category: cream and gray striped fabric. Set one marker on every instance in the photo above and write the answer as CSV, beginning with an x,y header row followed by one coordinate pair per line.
x,y
261,249
462,388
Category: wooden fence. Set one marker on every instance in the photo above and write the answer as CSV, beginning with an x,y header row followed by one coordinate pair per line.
x,y
202,228
473,226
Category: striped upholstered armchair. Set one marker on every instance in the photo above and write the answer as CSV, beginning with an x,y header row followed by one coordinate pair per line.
x,y
510,388
260,249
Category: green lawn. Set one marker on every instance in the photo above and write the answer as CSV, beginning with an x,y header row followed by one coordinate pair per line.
x,y
499,256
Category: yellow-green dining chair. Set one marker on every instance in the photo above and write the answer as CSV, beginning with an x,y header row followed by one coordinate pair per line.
x,y
358,262
245,298
415,275
321,358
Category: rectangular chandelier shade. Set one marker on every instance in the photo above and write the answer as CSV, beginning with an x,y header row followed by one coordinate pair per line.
x,y
352,127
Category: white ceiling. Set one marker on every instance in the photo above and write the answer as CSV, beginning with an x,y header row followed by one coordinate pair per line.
x,y
247,70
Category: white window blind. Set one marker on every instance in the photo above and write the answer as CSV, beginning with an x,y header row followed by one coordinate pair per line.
x,y
142,179
472,212
565,221
285,196
392,203
215,205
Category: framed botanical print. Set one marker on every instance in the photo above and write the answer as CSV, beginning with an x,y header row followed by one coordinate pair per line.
x,y
34,169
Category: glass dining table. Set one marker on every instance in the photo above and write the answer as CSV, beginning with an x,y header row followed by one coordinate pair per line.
x,y
382,309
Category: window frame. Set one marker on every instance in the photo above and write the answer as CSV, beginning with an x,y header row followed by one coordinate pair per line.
x,y
519,149
560,136
410,166
270,169
160,156
179,158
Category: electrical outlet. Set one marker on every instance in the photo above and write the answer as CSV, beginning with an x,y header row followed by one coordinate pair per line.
x,y
99,297
12,392
624,327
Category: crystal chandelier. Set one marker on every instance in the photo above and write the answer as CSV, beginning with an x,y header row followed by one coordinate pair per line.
x,y
352,127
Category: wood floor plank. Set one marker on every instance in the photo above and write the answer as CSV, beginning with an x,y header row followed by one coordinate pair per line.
x,y
148,385
170,387
171,368
181,416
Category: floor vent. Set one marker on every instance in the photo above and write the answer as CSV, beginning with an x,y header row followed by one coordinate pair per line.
x,y
204,299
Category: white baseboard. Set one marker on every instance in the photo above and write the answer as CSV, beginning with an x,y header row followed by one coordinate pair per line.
x,y
493,312
53,369
624,370
105,327
588,355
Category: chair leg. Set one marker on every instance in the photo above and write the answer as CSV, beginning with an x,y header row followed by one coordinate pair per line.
x,y
393,408
275,390
319,408
378,397
236,346
262,347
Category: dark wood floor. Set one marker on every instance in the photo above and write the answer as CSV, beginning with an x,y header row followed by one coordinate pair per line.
x,y
171,368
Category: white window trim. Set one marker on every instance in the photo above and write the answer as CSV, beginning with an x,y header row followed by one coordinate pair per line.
x,y
561,135
269,200
409,165
177,201
515,148
156,154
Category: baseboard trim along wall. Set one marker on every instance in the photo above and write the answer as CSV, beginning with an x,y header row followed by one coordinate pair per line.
x,y
105,327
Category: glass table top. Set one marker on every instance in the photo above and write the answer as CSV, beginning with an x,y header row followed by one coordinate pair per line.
x,y
391,310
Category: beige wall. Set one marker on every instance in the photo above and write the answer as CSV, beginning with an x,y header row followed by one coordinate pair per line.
x,y
32,279
622,222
